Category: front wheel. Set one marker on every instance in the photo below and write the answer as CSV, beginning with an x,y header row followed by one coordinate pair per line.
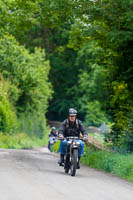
x,y
51,147
66,170
67,164
74,159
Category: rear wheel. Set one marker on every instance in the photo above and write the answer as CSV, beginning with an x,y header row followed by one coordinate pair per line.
x,y
74,162
51,147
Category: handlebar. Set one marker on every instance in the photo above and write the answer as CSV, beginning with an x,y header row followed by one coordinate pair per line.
x,y
72,137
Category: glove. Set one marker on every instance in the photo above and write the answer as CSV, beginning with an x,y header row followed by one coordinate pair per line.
x,y
60,137
85,138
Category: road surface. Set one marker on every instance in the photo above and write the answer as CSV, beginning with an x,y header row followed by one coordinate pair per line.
x,y
35,175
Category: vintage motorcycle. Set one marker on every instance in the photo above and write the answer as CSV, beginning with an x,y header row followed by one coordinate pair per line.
x,y
71,157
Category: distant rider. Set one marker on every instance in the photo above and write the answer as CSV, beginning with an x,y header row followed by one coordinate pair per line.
x,y
52,134
71,127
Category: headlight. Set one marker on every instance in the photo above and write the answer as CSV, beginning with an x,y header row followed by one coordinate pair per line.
x,y
69,142
78,143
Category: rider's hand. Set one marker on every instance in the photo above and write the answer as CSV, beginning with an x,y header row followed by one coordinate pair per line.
x,y
60,137
85,138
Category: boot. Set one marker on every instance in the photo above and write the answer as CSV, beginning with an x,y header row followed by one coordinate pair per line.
x,y
61,161
78,163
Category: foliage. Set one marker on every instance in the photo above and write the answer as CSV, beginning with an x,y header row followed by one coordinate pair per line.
x,y
33,124
117,164
56,146
89,45
108,25
121,141
7,113
29,89
62,64
50,28
127,139
94,114
91,84
20,141
29,72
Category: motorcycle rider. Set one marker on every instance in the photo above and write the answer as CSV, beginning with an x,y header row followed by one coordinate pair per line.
x,y
53,134
71,127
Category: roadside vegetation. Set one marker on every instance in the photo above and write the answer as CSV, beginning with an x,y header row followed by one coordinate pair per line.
x,y
115,163
21,141
24,93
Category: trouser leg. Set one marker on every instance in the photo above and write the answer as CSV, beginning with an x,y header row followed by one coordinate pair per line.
x,y
80,153
48,144
81,149
62,150
63,146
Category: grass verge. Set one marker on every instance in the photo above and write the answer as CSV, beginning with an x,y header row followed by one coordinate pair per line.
x,y
21,141
114,163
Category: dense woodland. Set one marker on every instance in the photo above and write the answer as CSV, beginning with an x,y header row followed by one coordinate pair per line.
x,y
58,54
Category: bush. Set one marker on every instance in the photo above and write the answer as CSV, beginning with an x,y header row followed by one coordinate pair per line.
x,y
94,114
20,141
33,124
121,140
115,163
56,146
124,167
8,119
29,72
28,90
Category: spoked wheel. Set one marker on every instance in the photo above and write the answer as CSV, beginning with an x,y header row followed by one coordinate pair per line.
x,y
74,162
51,147
66,170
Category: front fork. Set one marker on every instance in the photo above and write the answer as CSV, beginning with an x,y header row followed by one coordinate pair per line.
x,y
69,155
67,159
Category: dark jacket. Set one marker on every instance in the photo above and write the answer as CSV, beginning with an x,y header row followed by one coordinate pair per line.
x,y
52,133
72,129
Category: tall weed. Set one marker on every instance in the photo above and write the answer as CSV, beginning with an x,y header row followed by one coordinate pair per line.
x,y
115,163
20,141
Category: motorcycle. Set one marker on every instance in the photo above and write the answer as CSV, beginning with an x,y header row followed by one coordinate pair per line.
x,y
71,157
52,140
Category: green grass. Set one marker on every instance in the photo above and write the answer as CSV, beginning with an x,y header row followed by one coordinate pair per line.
x,y
114,163
117,164
21,141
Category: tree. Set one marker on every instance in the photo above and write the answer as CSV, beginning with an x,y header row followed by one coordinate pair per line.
x,y
8,118
109,24
28,74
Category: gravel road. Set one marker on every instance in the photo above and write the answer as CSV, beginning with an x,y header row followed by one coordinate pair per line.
x,y
35,175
